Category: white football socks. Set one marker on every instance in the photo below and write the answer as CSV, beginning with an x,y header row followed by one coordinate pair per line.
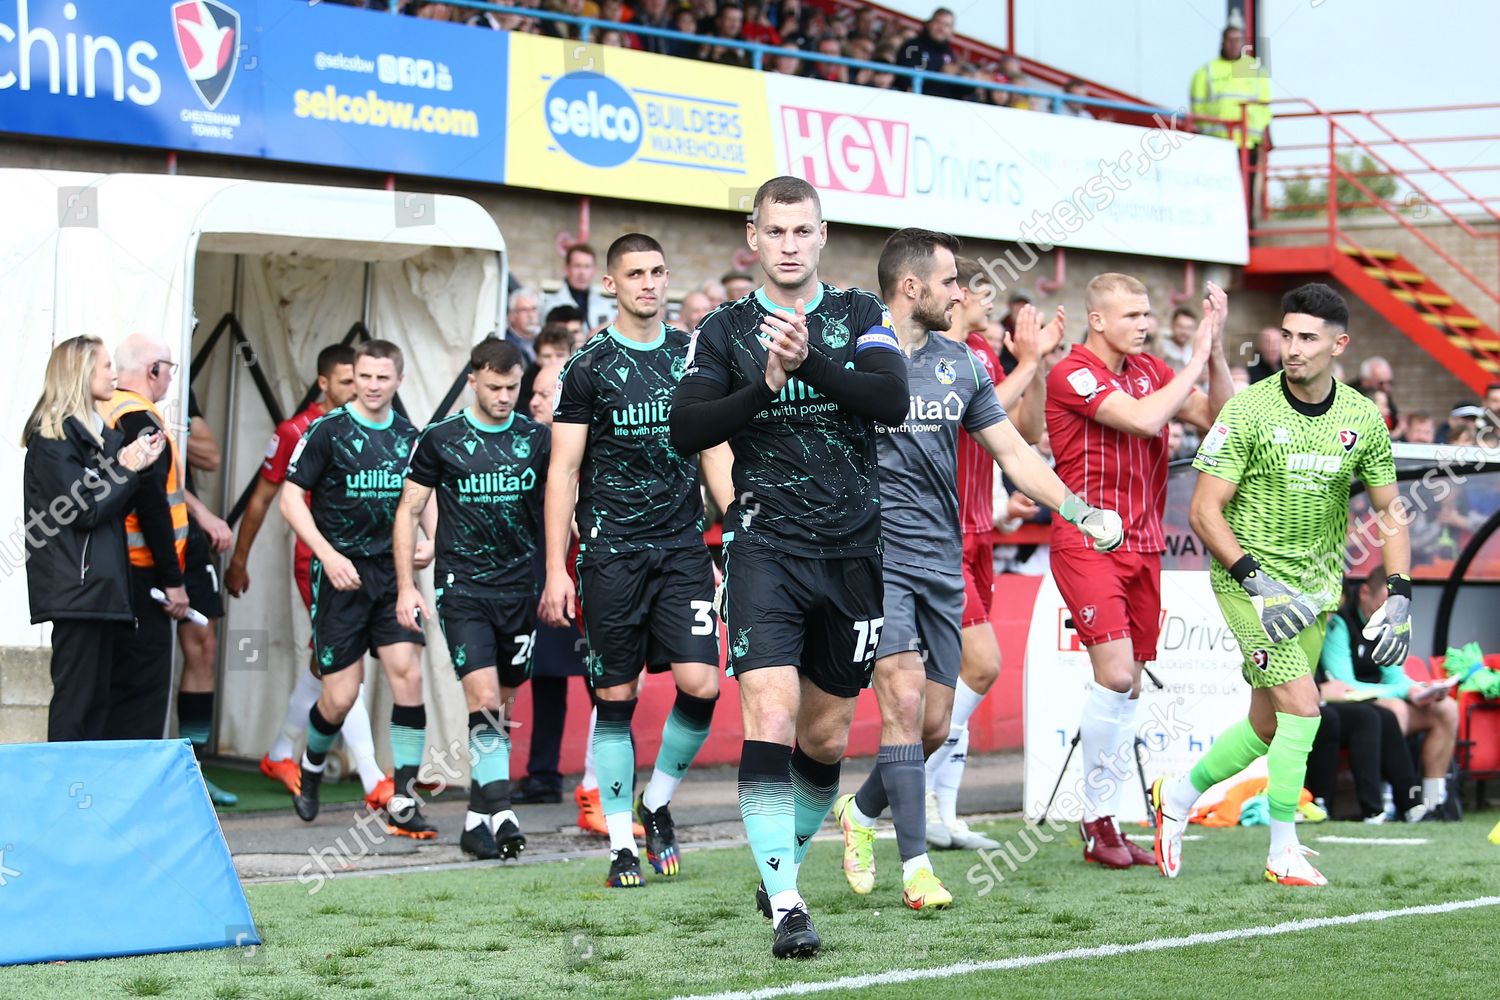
x,y
1101,721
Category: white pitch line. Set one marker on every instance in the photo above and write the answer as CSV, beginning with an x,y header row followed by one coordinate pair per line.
x,y
1150,838
1101,951
1401,841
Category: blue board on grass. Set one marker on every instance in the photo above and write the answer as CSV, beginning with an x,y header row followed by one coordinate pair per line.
x,y
112,848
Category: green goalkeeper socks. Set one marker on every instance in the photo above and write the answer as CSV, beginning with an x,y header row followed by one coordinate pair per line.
x,y
1235,749
1286,763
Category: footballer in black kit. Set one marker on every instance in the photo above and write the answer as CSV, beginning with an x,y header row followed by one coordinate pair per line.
x,y
351,462
487,465
795,377
645,578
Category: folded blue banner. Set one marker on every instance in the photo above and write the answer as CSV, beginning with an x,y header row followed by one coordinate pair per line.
x,y
263,78
112,848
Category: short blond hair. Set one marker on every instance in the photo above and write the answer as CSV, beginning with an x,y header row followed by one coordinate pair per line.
x,y
1110,283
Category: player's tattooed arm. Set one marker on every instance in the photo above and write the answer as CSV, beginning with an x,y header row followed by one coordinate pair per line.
x,y
411,510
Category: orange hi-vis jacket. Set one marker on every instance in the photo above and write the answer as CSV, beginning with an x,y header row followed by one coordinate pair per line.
x,y
124,402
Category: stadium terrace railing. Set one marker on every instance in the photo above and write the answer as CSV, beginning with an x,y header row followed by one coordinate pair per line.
x,y
1422,187
758,52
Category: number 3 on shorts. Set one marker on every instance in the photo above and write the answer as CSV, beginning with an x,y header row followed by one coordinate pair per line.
x,y
867,638
703,617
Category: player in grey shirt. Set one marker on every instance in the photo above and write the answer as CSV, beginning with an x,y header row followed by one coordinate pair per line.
x,y
920,646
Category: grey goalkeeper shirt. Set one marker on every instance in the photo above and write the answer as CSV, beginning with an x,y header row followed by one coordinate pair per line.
x,y
919,459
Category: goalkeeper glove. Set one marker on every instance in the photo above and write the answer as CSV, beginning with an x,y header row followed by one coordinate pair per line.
x,y
1390,626
1103,526
1283,611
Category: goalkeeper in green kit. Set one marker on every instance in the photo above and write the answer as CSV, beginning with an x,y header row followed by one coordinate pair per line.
x,y
1272,506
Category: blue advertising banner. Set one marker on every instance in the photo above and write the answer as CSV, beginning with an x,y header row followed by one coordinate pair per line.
x,y
360,89
264,78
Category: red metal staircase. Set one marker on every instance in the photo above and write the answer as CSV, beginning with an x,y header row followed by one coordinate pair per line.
x,y
1405,297
1395,286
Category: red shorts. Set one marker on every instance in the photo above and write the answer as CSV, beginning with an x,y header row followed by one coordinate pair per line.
x,y
1114,595
302,573
979,577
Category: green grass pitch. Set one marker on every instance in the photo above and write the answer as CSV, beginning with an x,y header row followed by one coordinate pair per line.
x,y
553,929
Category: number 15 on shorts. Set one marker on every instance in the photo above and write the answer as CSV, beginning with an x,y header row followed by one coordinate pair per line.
x,y
867,638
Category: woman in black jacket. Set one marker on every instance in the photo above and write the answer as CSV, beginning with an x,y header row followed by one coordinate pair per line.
x,y
77,485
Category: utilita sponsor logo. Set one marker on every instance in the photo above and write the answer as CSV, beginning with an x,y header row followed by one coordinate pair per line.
x,y
842,152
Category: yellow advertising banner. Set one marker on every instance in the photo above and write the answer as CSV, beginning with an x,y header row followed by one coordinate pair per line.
x,y
618,123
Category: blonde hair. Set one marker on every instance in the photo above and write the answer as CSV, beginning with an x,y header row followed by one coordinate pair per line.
x,y
1109,283
65,391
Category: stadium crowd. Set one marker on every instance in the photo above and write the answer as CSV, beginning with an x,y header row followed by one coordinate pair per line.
x,y
801,31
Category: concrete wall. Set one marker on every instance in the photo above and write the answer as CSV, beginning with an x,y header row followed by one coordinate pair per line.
x,y
25,690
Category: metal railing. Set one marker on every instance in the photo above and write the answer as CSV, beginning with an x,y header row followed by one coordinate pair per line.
x,y
1423,186
758,52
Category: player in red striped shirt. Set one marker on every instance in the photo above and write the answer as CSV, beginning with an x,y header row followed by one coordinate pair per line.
x,y
336,380
1021,393
1108,405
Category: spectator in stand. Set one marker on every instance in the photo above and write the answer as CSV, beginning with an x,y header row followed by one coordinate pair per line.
x,y
1177,348
695,306
810,27
1463,419
1487,428
686,22
932,51
758,26
613,10
579,289
1382,401
863,48
737,284
560,29
787,12
1418,707
1073,109
521,321
435,11
705,11
1239,375
1420,428
728,24
1377,751
1267,361
653,14
570,318
1177,441
613,38
1376,373
554,346
715,292
883,79
867,24
1012,73
832,72
789,64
